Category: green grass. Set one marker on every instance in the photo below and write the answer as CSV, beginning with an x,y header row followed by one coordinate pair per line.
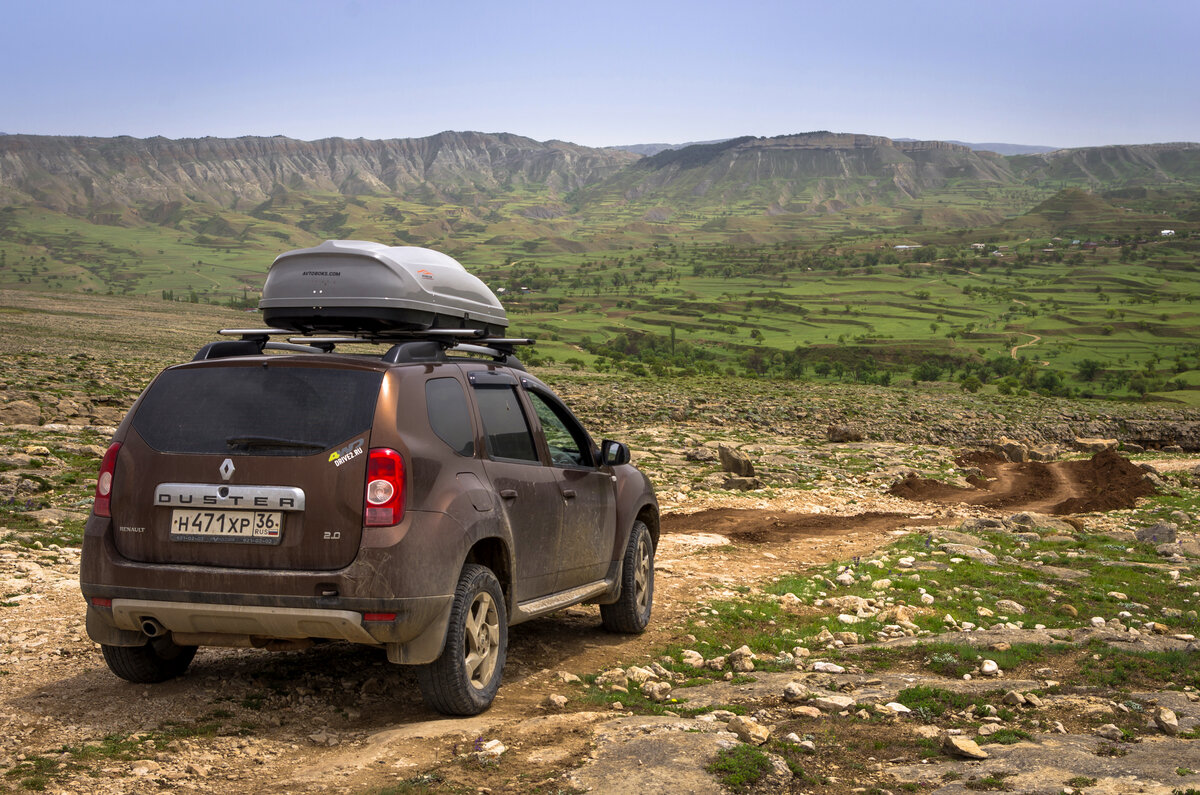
x,y
739,768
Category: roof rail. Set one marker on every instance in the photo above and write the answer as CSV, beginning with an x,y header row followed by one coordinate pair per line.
x,y
406,346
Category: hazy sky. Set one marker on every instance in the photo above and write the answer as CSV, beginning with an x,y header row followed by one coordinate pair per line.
x,y
1053,73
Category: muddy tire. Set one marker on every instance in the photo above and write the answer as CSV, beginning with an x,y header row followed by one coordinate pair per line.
x,y
631,613
465,678
157,661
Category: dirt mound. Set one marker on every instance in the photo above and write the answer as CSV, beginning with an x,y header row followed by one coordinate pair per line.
x,y
920,489
1108,481
1104,482
763,527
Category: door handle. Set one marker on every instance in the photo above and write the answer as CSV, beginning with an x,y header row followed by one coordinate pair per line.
x,y
569,494
508,494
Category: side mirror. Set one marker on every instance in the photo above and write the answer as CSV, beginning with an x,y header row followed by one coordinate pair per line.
x,y
613,453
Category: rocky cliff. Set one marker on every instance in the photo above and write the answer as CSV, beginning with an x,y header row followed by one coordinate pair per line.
x,y
76,174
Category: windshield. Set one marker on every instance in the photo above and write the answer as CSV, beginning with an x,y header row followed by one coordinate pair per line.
x,y
256,410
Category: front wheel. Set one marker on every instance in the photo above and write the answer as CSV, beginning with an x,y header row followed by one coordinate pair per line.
x,y
631,613
465,678
159,660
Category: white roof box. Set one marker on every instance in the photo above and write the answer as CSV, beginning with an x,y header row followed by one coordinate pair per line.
x,y
354,286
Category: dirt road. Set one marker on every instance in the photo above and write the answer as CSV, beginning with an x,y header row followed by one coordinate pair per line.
x,y
339,717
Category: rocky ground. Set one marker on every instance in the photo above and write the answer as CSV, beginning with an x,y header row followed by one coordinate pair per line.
x,y
857,608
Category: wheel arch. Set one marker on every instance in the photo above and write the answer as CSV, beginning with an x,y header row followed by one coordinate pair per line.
x,y
493,553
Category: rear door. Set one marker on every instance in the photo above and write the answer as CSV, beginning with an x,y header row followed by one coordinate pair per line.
x,y
589,508
527,489
248,463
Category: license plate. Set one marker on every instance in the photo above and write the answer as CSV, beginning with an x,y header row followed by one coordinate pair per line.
x,y
247,527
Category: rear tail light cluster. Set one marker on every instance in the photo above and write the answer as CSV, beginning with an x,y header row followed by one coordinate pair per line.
x,y
102,506
385,488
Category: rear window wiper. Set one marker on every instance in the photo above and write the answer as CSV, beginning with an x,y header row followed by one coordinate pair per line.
x,y
271,441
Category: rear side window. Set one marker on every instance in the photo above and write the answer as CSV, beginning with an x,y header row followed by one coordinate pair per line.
x,y
448,414
508,434
256,410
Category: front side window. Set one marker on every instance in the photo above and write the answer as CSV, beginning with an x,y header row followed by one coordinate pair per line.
x,y
569,443
505,427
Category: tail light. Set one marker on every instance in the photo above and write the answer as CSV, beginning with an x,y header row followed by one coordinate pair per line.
x,y
385,488
102,506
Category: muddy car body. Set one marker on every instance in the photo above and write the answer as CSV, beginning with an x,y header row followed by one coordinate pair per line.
x,y
421,500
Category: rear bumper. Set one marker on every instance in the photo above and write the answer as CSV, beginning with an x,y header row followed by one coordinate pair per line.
x,y
222,606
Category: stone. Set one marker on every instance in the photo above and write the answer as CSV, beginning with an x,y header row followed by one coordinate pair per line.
x,y
1094,445
846,618
843,433
1013,698
847,638
794,691
613,679
791,737
1166,721
962,746
492,749
1110,731
806,711
639,675
833,703
692,658
656,690
828,667
735,462
567,677
748,730
1098,621
716,663
974,553
881,585
898,708
1033,700
790,603
742,659
988,729
20,412
1010,607
1161,533
1012,450
555,701
989,668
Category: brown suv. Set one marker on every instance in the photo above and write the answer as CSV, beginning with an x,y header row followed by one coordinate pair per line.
x,y
421,500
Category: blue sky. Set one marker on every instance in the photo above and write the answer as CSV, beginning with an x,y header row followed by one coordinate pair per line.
x,y
1051,73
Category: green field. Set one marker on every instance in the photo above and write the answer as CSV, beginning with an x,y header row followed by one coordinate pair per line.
x,y
1040,287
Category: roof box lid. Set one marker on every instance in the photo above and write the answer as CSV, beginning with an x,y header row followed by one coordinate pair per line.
x,y
358,286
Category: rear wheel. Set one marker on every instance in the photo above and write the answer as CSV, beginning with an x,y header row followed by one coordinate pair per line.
x,y
631,613
159,660
465,678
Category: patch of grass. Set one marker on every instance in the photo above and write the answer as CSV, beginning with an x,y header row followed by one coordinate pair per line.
x,y
1184,771
932,702
1129,668
1079,782
740,768
1109,749
1009,736
990,782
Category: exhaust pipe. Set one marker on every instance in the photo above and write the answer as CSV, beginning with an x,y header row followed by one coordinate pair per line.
x,y
152,628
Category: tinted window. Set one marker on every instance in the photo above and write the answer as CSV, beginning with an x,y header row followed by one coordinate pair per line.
x,y
569,445
448,414
256,410
505,426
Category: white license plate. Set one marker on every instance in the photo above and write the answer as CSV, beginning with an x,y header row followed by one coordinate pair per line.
x,y
248,527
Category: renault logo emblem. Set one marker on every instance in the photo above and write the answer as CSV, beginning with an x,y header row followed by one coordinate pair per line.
x,y
226,469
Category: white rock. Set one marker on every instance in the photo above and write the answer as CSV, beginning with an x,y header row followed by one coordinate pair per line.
x,y
828,667
989,668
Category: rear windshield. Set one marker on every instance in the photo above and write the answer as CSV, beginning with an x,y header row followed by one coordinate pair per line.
x,y
256,410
